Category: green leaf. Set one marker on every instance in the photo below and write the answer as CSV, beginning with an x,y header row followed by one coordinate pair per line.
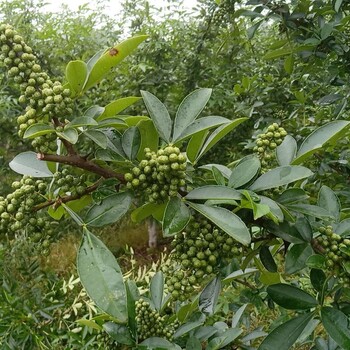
x,y
218,134
101,277
36,130
239,273
76,75
278,53
284,336
329,132
78,220
290,297
326,30
157,289
275,210
208,298
280,176
98,137
145,211
328,200
267,278
218,176
316,261
110,210
131,142
159,114
337,5
223,340
189,109
318,279
286,151
336,324
157,344
200,125
193,344
176,217
132,294
267,259
237,316
244,172
289,64
304,228
119,333
149,137
226,220
195,144
343,228
27,163
117,106
186,328
82,121
102,64
311,210
69,134
223,169
213,192
292,195
297,256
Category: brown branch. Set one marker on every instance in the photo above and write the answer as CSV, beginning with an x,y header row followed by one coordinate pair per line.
x,y
80,162
59,200
317,247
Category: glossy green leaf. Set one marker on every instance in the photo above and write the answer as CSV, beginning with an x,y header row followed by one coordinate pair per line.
x,y
36,130
291,297
317,139
284,336
149,137
117,106
97,137
186,328
195,144
132,294
304,228
219,133
208,298
159,114
244,172
119,333
226,220
157,289
27,163
193,344
317,278
213,192
328,200
268,278
131,142
343,228
336,324
110,210
200,125
286,151
287,232
278,53
218,176
223,340
238,315
280,176
292,195
176,217
223,169
101,277
157,344
238,274
70,134
297,256
311,210
82,121
289,64
115,123
316,261
189,109
76,75
146,210
275,210
110,58
267,259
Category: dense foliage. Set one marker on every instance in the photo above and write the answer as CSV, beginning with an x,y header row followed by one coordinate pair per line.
x,y
253,204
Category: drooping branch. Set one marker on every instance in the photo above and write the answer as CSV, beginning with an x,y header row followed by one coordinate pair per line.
x,y
82,163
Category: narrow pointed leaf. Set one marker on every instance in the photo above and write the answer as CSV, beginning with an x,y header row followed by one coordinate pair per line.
x,y
101,276
318,138
189,110
159,114
98,137
280,176
208,298
117,106
195,144
82,121
110,210
244,172
131,142
336,324
297,256
267,259
226,220
157,289
219,133
36,130
69,134
176,217
213,192
149,137
286,151
110,58
284,336
328,200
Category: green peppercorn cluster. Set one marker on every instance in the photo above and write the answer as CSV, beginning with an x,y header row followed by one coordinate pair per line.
x,y
44,98
267,142
151,324
16,209
198,252
160,175
67,182
332,244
